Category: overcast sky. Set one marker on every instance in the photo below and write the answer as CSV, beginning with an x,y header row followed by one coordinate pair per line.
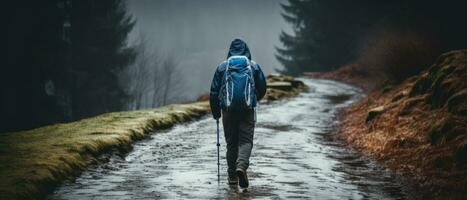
x,y
198,33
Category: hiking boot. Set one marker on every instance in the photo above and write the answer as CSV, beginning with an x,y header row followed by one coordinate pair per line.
x,y
233,180
242,177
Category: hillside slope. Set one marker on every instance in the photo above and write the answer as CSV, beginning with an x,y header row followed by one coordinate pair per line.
x,y
418,127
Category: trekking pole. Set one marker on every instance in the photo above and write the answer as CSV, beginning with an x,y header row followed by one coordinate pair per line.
x,y
218,145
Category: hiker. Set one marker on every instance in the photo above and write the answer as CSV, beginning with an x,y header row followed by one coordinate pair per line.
x,y
236,89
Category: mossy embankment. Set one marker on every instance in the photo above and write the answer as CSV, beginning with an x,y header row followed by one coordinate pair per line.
x,y
418,127
281,86
34,162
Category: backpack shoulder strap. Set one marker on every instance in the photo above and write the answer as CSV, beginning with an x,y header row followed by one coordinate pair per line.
x,y
250,67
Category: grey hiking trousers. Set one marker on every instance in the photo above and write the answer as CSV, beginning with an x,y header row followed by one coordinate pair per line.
x,y
238,131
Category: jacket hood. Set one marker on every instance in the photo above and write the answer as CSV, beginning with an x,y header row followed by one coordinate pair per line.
x,y
239,48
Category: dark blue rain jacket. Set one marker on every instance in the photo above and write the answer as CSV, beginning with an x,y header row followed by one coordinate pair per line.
x,y
237,48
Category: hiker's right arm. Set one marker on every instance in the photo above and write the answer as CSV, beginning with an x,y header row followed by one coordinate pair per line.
x,y
214,94
260,81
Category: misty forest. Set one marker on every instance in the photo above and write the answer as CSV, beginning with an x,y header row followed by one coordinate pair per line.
x,y
115,99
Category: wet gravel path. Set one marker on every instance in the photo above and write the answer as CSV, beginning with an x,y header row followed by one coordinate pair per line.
x,y
294,156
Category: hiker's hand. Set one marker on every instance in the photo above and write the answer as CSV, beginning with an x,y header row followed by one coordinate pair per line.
x,y
216,115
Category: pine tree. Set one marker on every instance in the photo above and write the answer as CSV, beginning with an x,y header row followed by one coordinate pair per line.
x,y
324,33
99,53
295,54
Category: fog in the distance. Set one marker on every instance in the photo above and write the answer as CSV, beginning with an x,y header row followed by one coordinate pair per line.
x,y
198,32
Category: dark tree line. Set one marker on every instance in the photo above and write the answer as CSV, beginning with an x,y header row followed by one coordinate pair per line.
x,y
62,62
328,34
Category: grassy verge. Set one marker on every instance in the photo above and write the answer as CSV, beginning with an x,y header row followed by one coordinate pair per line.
x,y
33,162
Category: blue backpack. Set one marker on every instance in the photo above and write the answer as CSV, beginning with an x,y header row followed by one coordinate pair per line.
x,y
238,90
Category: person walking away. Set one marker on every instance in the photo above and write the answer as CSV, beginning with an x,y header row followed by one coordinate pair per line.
x,y
237,87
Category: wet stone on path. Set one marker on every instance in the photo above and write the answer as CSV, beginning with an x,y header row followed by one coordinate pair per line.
x,y
294,156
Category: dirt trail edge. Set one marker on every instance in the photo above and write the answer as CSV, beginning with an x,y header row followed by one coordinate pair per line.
x,y
417,128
